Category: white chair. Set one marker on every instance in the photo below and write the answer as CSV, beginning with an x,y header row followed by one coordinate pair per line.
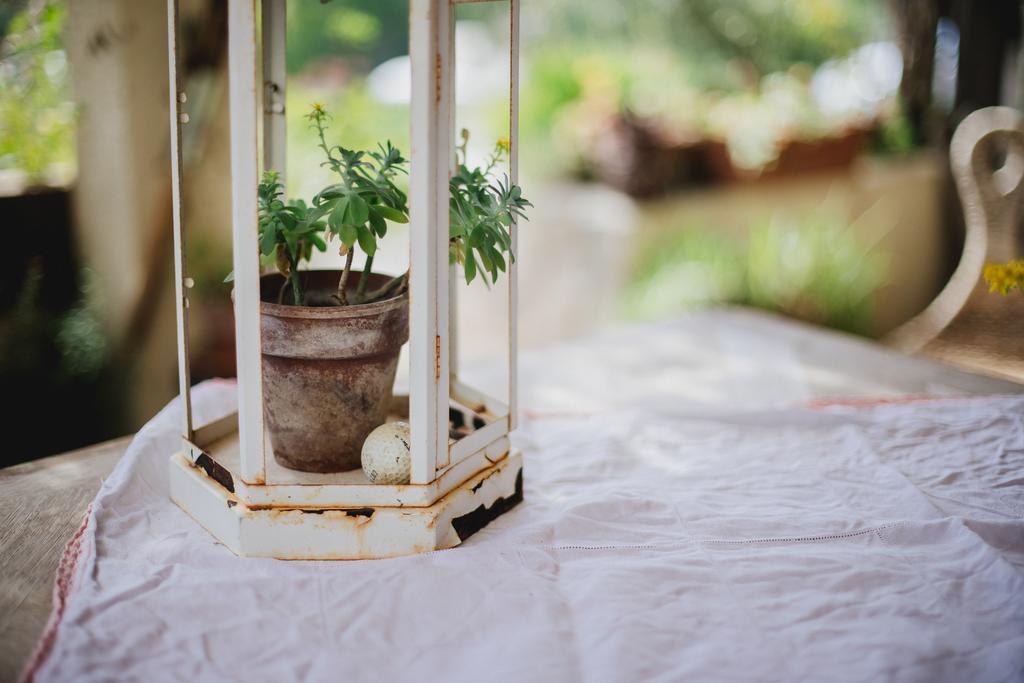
x,y
966,324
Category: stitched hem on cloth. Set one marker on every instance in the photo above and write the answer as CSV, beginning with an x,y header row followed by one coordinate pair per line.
x,y
62,585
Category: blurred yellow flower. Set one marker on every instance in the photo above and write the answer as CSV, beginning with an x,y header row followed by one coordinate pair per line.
x,y
317,112
504,144
1003,277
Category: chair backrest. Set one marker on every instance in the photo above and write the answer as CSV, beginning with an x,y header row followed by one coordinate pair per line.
x,y
965,323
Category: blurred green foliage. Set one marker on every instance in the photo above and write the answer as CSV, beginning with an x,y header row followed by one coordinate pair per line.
x,y
811,267
37,115
55,366
691,63
365,31
736,70
8,10
771,36
713,35
32,336
894,136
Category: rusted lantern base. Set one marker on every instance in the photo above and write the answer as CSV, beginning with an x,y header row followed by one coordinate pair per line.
x,y
349,533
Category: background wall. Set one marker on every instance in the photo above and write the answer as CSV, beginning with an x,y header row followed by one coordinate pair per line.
x,y
679,153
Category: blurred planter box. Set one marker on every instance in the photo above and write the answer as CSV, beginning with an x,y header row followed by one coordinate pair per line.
x,y
633,156
795,156
636,156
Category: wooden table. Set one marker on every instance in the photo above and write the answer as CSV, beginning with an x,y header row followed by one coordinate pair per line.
x,y
43,501
43,505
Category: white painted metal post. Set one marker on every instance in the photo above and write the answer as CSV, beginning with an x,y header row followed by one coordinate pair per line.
x,y
244,97
275,76
176,97
513,268
453,324
453,269
447,43
430,25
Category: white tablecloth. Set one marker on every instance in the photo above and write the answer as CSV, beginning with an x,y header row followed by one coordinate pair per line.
x,y
680,542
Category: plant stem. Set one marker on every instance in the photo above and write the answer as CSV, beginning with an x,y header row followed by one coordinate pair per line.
x,y
361,289
323,144
395,284
342,295
296,284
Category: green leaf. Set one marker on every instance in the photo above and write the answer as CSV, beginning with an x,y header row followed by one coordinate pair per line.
x,y
348,234
292,243
268,240
503,239
497,259
485,259
317,241
287,219
377,223
393,215
367,242
331,192
337,216
470,266
230,277
358,211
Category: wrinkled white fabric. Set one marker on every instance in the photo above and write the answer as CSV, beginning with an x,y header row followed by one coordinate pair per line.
x,y
845,544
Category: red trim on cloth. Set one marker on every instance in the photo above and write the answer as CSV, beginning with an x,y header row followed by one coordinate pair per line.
x,y
62,585
557,415
819,403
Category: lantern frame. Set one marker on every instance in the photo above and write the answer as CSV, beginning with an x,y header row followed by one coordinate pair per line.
x,y
222,476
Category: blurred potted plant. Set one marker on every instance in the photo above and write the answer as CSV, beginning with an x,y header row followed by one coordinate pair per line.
x,y
624,128
330,342
643,157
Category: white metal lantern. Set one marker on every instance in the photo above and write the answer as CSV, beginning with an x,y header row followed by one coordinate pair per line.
x,y
223,476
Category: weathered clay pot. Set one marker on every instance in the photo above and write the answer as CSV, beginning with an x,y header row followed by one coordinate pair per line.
x,y
328,372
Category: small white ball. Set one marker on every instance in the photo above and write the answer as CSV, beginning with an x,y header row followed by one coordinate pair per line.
x,y
386,458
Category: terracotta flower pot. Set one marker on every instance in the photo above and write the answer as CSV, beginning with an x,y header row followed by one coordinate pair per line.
x,y
328,372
